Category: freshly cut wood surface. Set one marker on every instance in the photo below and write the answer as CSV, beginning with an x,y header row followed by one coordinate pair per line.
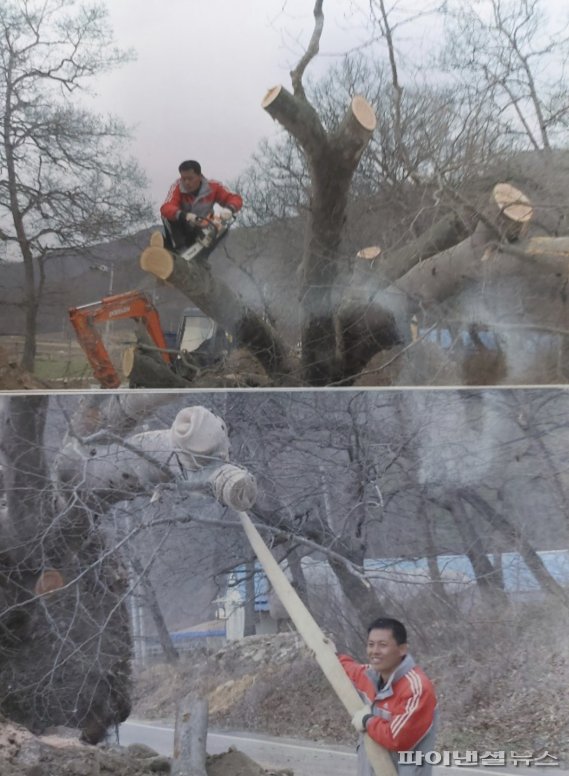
x,y
370,253
270,96
48,581
512,202
157,261
364,113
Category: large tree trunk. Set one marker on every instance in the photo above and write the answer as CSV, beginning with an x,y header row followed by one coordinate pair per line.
x,y
30,331
359,592
332,158
151,599
332,169
216,299
65,646
520,284
64,643
519,280
532,560
486,577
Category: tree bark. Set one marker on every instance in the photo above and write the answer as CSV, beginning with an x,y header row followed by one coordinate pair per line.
x,y
476,260
436,267
332,158
360,593
332,169
145,371
190,734
215,299
170,653
532,560
64,620
26,478
391,265
486,577
249,626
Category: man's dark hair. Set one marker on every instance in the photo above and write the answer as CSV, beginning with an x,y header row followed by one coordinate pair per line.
x,y
190,164
388,623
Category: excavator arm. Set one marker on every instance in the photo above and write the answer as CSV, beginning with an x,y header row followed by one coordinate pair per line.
x,y
132,304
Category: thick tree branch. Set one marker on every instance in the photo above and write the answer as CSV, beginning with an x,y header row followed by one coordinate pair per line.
x,y
298,117
219,302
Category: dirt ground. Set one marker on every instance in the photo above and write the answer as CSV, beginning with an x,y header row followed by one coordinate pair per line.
x,y
13,377
61,753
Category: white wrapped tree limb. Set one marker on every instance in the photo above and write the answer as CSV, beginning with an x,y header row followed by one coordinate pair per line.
x,y
117,470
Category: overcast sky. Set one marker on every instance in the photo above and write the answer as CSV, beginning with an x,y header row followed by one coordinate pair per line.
x,y
203,67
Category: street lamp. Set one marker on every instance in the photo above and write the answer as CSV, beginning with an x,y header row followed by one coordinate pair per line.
x,y
106,268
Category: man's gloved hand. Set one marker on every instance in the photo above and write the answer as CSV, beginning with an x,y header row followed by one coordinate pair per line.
x,y
226,213
360,718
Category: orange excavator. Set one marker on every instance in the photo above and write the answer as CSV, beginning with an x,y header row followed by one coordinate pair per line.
x,y
199,341
132,304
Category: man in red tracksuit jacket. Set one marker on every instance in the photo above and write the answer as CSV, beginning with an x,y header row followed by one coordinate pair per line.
x,y
400,701
190,199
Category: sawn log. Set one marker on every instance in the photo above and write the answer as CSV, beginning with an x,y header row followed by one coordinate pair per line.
x,y
379,757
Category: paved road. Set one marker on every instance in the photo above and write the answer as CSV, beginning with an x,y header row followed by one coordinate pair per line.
x,y
305,758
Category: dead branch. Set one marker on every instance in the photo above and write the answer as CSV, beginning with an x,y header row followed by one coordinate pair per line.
x,y
312,50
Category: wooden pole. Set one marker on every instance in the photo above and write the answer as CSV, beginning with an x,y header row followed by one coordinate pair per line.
x,y
324,653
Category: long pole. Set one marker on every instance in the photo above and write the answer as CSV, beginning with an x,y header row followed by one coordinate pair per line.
x,y
324,653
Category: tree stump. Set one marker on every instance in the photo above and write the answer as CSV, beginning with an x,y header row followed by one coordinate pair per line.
x,y
190,735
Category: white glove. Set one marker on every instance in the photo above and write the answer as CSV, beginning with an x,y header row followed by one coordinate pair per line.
x,y
226,214
192,218
359,719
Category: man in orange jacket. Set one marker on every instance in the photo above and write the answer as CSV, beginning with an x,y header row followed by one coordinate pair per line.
x,y
400,701
190,199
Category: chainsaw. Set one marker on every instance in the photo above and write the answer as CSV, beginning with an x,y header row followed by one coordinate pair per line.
x,y
212,230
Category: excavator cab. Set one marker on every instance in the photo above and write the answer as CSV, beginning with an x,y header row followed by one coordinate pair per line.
x,y
200,340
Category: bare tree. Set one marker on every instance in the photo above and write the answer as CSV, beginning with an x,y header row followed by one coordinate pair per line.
x,y
510,58
67,180
65,637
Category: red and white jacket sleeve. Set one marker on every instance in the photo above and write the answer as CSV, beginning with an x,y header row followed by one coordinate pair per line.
x,y
226,198
173,203
357,672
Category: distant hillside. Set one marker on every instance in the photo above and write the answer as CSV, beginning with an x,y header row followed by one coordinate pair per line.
x,y
256,263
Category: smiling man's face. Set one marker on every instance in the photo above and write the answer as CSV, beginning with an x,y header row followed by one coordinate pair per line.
x,y
383,651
